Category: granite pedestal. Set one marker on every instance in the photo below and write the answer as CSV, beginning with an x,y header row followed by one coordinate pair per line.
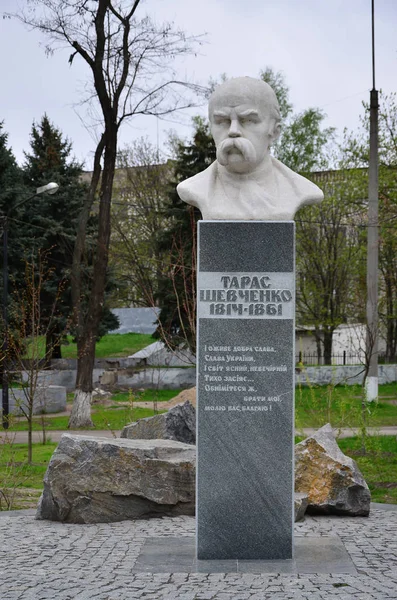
x,y
245,309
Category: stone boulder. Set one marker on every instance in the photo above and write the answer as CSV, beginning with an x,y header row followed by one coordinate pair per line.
x,y
97,480
301,502
179,424
331,480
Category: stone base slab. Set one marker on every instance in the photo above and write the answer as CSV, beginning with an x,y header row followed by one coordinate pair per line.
x,y
325,554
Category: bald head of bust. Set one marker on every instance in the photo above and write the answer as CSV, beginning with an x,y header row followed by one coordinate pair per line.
x,y
245,120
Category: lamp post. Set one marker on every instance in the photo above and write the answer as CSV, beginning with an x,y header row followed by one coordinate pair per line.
x,y
50,188
371,382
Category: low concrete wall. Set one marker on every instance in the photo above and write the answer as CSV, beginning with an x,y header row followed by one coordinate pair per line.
x,y
70,364
173,378
347,375
49,399
66,378
162,379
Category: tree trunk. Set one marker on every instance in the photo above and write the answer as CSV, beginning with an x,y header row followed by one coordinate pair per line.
x,y
79,247
81,410
389,317
52,347
318,345
57,351
393,351
80,416
30,427
328,347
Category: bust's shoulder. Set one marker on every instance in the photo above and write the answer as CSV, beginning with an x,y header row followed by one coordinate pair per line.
x,y
195,189
289,182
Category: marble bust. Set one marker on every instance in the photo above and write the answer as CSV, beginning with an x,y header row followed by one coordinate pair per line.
x,y
245,182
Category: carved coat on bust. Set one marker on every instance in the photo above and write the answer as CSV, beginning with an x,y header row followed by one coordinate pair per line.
x,y
246,182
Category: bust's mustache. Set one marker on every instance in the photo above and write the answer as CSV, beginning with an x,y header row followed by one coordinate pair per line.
x,y
241,144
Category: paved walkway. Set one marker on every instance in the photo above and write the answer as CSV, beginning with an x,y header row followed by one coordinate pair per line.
x,y
43,560
21,437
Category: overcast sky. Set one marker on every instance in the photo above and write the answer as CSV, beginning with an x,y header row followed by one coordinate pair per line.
x,y
323,48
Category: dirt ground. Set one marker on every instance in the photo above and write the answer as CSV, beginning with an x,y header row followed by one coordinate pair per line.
x,y
184,395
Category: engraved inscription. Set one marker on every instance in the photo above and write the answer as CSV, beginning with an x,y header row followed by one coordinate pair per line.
x,y
252,295
246,381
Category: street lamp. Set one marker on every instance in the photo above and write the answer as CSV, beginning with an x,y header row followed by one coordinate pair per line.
x,y
50,188
371,382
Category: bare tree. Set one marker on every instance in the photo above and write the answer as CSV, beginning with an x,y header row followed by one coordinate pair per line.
x,y
31,327
356,154
330,254
177,329
139,196
131,64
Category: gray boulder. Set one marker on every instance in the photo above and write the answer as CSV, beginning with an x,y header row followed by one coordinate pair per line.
x,y
331,480
96,480
301,502
179,424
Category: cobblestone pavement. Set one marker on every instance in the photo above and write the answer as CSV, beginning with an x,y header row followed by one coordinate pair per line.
x,y
42,560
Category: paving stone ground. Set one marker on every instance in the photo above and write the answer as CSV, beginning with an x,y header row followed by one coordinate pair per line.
x,y
43,560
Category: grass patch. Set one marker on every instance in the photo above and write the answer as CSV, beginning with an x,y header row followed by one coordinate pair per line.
x,y
103,418
14,467
341,406
145,395
137,396
117,418
314,406
112,345
378,464
388,390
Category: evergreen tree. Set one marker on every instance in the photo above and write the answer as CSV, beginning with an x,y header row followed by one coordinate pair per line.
x,y
177,289
10,175
10,189
49,224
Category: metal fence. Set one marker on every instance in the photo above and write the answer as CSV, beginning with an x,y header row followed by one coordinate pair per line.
x,y
343,358
312,359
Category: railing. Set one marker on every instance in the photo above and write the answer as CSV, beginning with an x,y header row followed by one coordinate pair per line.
x,y
312,359
343,358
